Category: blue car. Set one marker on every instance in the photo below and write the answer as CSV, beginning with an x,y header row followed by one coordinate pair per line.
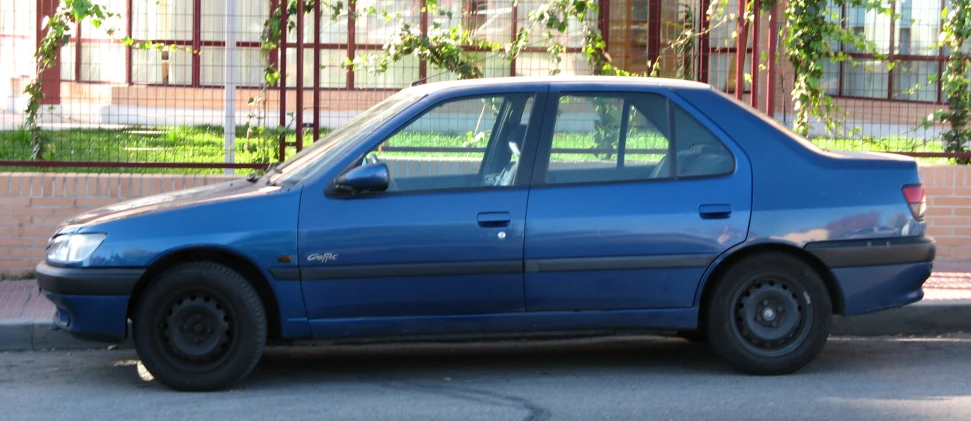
x,y
510,206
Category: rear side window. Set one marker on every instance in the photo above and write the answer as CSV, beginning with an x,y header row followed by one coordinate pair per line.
x,y
625,137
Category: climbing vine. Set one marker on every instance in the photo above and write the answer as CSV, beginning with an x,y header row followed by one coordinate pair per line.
x,y
58,27
810,28
955,34
68,15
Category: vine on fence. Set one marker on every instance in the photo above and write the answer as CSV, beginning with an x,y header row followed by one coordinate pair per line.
x,y
58,34
808,28
69,13
955,34
807,44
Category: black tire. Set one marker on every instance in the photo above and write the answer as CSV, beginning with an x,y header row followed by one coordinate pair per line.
x,y
199,326
769,314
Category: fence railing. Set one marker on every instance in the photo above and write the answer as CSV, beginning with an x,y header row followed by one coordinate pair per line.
x,y
116,108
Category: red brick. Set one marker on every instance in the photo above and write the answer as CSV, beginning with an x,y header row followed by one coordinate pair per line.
x,y
961,231
70,186
67,211
940,211
13,222
124,186
96,201
935,230
14,201
52,202
31,211
105,184
46,221
36,232
21,252
939,191
16,242
16,267
951,201
954,241
959,252
954,221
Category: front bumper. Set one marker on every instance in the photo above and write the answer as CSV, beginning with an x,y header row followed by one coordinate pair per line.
x,y
92,303
877,274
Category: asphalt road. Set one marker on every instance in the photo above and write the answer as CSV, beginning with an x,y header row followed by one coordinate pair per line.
x,y
630,379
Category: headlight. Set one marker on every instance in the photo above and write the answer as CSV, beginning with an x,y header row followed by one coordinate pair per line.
x,y
73,248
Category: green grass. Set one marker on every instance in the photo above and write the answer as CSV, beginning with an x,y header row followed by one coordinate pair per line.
x,y
195,144
887,144
204,144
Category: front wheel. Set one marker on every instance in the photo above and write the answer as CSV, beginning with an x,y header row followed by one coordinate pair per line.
x,y
199,326
769,314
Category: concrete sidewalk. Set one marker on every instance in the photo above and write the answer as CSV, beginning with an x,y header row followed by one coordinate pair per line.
x,y
25,315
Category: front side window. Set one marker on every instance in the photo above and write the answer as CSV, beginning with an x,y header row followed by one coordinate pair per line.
x,y
605,138
466,143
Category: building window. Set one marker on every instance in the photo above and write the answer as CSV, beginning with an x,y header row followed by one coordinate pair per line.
x,y
910,42
199,25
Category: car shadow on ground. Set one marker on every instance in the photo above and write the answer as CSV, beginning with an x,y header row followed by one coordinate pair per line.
x,y
577,359
523,357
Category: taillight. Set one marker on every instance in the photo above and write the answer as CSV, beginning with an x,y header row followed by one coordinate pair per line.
x,y
914,194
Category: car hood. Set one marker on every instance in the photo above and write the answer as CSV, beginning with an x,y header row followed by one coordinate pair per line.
x,y
168,201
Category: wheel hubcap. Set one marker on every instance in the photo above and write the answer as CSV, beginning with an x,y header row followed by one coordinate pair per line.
x,y
772,316
197,328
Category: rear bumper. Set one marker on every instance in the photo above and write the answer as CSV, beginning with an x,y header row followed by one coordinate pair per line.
x,y
875,275
91,303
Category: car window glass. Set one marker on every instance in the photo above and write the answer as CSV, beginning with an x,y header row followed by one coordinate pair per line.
x,y
700,153
590,143
446,147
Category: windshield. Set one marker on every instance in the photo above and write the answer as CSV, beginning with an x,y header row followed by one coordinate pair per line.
x,y
338,140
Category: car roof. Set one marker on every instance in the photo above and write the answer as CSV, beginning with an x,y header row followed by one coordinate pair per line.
x,y
614,81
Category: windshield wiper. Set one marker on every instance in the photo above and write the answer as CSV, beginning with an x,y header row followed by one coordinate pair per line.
x,y
272,168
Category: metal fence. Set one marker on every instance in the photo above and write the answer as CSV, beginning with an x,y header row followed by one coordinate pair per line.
x,y
110,107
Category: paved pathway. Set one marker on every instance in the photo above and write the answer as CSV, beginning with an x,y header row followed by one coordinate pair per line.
x,y
22,300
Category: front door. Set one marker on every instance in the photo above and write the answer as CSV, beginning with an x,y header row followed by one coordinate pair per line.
x,y
446,238
614,221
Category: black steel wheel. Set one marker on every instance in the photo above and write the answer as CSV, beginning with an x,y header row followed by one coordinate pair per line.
x,y
769,314
199,326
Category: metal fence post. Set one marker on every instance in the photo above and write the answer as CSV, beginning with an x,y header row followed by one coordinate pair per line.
x,y
230,85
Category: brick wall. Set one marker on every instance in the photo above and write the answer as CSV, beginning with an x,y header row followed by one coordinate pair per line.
x,y
949,210
32,205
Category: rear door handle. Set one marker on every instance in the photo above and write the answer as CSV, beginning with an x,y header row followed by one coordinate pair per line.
x,y
715,211
494,219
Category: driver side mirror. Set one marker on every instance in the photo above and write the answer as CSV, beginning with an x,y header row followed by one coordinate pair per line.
x,y
369,178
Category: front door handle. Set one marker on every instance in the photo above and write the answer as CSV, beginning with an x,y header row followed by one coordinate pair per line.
x,y
494,219
715,211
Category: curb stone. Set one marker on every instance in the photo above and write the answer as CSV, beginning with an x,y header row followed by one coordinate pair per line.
x,y
43,335
921,318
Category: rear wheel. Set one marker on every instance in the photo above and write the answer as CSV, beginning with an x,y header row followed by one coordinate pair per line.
x,y
199,326
769,314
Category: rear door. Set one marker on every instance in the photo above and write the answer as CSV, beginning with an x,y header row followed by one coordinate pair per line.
x,y
447,236
615,222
